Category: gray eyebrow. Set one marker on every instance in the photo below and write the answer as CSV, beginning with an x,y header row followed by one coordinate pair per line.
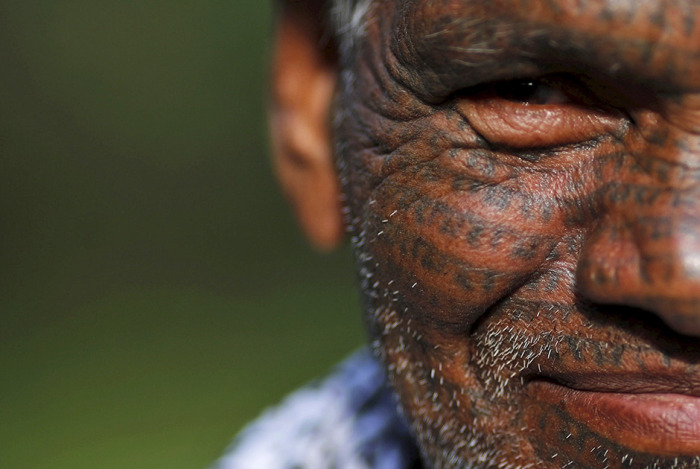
x,y
463,50
439,55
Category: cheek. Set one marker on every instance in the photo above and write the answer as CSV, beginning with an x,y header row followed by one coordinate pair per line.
x,y
446,245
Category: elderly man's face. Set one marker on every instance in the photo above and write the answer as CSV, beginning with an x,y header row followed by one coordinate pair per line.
x,y
523,179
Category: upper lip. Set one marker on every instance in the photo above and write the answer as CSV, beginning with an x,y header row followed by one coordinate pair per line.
x,y
643,370
629,351
647,382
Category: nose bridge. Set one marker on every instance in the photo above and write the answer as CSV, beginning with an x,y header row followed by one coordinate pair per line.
x,y
645,249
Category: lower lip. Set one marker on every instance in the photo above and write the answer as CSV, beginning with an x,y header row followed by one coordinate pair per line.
x,y
663,424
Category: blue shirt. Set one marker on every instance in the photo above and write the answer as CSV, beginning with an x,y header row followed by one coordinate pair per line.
x,y
349,420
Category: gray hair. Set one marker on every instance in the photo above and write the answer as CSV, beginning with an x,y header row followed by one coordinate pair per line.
x,y
347,20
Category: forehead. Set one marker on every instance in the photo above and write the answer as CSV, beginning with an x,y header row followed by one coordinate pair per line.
x,y
654,42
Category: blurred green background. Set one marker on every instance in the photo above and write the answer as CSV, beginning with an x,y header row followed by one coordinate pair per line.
x,y
155,293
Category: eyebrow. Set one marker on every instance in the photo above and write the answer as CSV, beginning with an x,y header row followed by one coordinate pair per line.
x,y
439,52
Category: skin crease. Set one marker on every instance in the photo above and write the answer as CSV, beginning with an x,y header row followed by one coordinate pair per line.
x,y
521,181
503,244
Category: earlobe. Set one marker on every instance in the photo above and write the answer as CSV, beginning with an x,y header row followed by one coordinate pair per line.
x,y
304,76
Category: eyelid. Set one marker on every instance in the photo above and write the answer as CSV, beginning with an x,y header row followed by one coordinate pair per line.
x,y
514,124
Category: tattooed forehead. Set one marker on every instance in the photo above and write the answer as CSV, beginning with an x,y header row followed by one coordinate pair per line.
x,y
440,45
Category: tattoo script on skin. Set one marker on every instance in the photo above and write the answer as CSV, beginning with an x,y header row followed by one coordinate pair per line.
x,y
523,194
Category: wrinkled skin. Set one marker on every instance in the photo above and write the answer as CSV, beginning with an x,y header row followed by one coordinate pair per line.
x,y
523,187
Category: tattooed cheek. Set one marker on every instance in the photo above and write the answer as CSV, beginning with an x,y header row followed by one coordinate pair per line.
x,y
450,255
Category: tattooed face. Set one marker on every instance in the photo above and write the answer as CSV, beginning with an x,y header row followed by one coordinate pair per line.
x,y
523,188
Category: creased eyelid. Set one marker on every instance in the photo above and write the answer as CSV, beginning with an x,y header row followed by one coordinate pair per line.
x,y
516,125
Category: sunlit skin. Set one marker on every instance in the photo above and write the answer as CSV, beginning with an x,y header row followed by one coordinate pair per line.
x,y
524,186
522,182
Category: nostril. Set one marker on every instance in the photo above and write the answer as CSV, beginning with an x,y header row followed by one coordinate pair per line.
x,y
682,314
643,324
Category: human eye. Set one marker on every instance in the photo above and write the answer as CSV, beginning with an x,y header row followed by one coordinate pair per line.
x,y
541,112
530,92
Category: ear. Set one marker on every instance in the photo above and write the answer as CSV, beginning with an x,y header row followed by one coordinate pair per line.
x,y
303,84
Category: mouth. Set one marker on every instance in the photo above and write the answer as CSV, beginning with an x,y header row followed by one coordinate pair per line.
x,y
650,413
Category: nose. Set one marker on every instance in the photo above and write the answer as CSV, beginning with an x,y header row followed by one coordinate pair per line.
x,y
645,250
